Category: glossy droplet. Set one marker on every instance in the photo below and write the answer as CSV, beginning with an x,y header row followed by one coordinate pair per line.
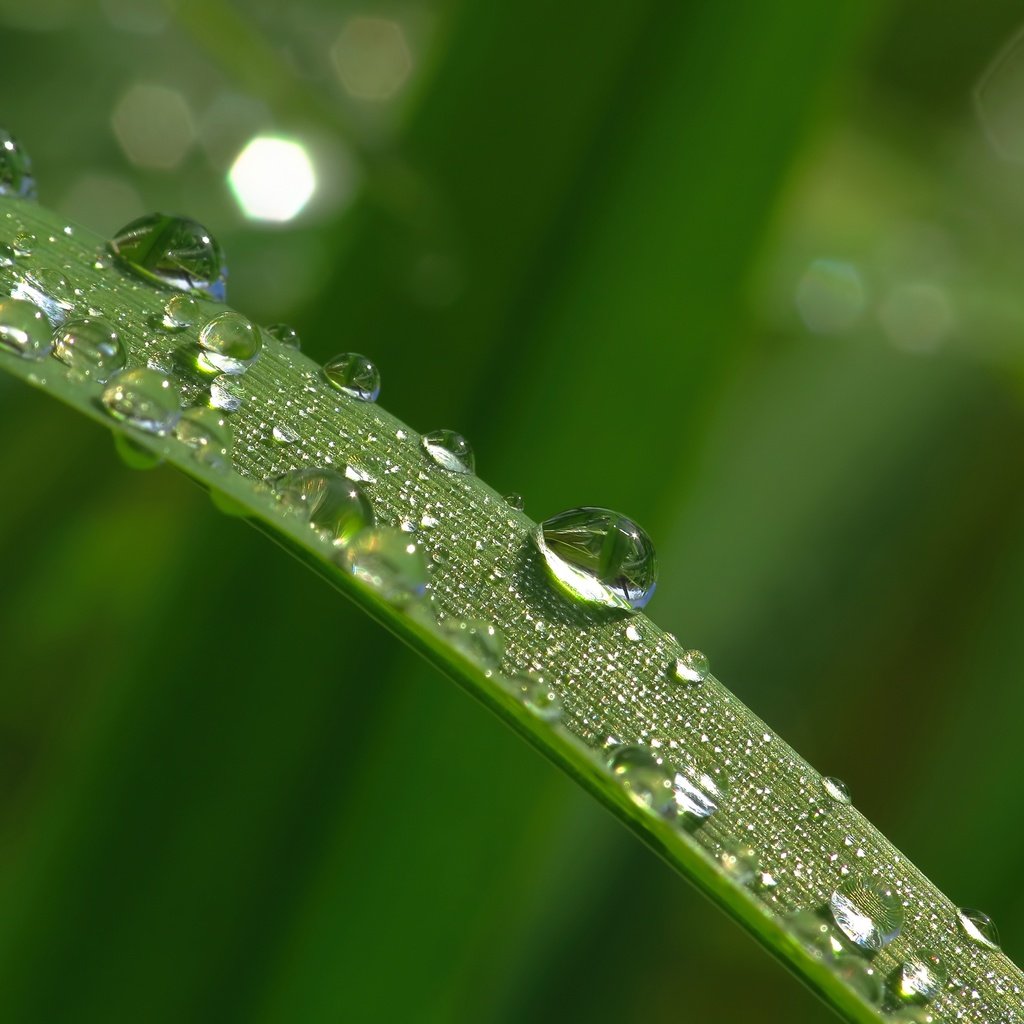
x,y
354,375
867,913
90,347
230,343
599,557
285,333
16,178
978,927
516,501
134,455
208,433
283,434
7,255
921,977
646,781
144,398
816,935
173,251
449,450
859,975
181,311
226,392
24,243
700,791
335,507
479,641
24,329
692,667
740,862
388,562
537,695
835,789
912,1015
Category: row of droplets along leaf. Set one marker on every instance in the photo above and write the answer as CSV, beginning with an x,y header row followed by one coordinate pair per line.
x,y
594,556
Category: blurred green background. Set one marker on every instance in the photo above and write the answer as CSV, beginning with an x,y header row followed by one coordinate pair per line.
x,y
749,272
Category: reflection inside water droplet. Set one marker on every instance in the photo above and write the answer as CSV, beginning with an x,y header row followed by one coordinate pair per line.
x,y
388,562
24,329
449,450
335,507
978,927
144,398
869,914
90,347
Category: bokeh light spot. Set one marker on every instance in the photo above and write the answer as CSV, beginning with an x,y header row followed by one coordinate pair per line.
x,y
830,296
153,124
372,58
272,178
999,101
916,317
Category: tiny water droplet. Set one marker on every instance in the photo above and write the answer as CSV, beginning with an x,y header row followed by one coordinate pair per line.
x,y
516,501
133,454
227,392
354,375
144,398
90,347
632,633
646,781
921,977
978,927
284,333
16,178
859,975
231,343
181,311
692,667
537,695
24,329
867,913
835,789
173,251
449,450
479,641
599,557
335,507
700,791
360,476
208,434
283,434
388,562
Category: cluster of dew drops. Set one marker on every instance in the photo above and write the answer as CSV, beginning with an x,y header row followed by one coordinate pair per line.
x,y
593,555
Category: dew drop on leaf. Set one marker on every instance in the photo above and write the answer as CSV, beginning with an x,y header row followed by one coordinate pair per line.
x,y
24,329
336,508
692,667
208,433
388,562
226,392
284,333
921,977
90,347
978,927
449,450
354,375
515,501
866,912
481,642
144,398
700,790
537,695
133,454
16,178
181,311
647,782
859,975
230,343
835,789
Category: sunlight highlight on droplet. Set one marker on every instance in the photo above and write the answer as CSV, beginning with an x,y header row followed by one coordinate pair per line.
x,y
272,178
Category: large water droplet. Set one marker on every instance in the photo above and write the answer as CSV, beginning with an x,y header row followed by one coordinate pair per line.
x,y
355,375
479,641
16,177
335,507
207,432
173,251
692,667
230,342
599,557
90,347
700,791
537,695
978,927
646,781
24,329
516,501
449,450
867,913
835,789
285,333
181,311
921,977
388,562
144,398
226,392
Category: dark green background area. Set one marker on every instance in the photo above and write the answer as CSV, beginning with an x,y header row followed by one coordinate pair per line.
x,y
225,795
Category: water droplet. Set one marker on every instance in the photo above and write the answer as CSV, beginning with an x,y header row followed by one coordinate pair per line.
x,y
208,433
699,791
860,976
7,255
740,862
230,342
646,781
449,450
599,557
354,375
912,1015
24,329
921,977
835,789
144,398
387,561
692,667
16,177
537,696
867,913
360,476
284,333
816,935
181,311
516,501
90,347
283,434
24,243
632,633
226,392
335,507
173,251
479,641
978,927
133,454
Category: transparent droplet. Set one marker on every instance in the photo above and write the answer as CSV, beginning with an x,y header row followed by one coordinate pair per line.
x,y
284,333
16,178
912,1015
7,255
740,862
144,398
208,433
866,912
599,557
335,507
23,244
921,977
231,343
133,454
227,392
516,501
181,311
816,935
646,781
354,375
692,667
90,347
479,641
388,562
537,695
24,329
173,251
449,450
978,927
861,976
283,434
700,790
835,789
